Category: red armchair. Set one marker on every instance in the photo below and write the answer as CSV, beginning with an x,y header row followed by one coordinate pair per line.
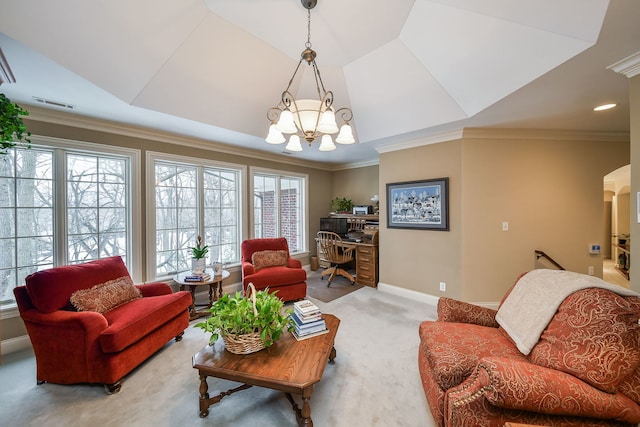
x,y
89,346
267,264
584,370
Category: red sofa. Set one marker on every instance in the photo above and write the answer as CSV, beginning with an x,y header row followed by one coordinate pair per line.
x,y
583,371
267,264
91,347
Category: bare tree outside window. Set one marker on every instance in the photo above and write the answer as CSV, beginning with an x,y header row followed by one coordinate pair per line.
x,y
190,201
26,217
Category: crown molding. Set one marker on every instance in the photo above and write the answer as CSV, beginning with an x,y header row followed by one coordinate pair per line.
x,y
629,66
46,115
6,75
545,134
419,142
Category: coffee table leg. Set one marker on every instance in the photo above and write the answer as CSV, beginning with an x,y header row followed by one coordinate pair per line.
x,y
306,408
303,416
204,396
332,356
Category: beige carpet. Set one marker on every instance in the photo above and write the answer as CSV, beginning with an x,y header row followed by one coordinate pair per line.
x,y
374,382
340,286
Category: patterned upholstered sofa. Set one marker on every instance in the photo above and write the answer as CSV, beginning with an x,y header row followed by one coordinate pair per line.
x,y
88,323
581,367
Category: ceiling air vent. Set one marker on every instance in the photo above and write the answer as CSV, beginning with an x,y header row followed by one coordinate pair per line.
x,y
54,103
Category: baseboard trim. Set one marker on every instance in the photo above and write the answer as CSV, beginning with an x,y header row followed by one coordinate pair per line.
x,y
408,293
11,345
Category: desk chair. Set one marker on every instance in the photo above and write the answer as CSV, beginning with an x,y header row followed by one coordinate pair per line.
x,y
336,253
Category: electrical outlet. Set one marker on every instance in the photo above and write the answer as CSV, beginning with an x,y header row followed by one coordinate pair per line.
x,y
590,270
443,287
505,226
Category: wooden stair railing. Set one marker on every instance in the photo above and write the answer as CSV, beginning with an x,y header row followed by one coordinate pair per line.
x,y
541,254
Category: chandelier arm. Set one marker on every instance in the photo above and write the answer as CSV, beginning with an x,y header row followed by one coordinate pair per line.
x,y
273,114
293,77
345,114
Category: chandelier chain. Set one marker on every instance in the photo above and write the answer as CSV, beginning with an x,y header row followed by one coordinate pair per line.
x,y
308,43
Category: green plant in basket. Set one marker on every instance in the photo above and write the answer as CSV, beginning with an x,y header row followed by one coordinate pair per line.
x,y
237,316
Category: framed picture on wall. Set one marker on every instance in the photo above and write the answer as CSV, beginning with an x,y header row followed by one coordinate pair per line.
x,y
419,204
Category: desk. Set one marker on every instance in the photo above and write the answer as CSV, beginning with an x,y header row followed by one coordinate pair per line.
x,y
215,290
366,259
366,263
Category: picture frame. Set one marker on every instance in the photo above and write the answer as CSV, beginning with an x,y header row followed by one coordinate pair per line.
x,y
422,205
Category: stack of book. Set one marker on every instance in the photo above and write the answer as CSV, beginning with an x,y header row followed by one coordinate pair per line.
x,y
308,320
197,277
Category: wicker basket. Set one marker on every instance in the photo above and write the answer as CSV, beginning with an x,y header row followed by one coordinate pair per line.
x,y
246,343
243,344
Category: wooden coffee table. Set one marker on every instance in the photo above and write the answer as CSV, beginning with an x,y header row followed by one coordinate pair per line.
x,y
289,365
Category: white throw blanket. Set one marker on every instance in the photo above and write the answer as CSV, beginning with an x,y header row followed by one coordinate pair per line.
x,y
534,300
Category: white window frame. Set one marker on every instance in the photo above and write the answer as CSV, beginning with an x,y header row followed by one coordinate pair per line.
x,y
151,158
60,147
253,170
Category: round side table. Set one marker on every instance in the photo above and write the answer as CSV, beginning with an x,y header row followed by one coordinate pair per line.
x,y
215,290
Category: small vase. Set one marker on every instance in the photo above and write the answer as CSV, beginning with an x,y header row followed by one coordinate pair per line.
x,y
198,265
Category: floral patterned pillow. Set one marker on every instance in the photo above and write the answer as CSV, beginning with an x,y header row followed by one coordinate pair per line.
x,y
593,336
106,296
263,259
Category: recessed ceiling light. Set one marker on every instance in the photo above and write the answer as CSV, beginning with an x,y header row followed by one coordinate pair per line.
x,y
604,107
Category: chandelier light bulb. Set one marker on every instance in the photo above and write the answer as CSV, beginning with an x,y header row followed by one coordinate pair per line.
x,y
328,122
346,135
274,136
327,143
294,144
285,123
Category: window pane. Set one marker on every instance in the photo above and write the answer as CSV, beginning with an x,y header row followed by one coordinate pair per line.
x,y
176,215
27,203
278,203
26,216
97,206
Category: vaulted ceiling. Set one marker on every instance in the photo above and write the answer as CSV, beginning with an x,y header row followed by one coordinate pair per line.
x,y
407,68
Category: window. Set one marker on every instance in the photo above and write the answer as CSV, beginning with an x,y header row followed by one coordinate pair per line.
x,y
194,198
62,206
279,203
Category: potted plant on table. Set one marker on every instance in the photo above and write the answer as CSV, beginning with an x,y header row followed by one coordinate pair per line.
x,y
341,205
198,259
247,325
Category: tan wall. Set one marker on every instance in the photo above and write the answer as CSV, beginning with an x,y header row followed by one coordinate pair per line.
x,y
550,192
359,184
634,101
420,259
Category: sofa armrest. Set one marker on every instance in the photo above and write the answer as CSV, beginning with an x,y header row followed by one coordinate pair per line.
x,y
154,289
82,323
247,269
451,310
519,385
294,263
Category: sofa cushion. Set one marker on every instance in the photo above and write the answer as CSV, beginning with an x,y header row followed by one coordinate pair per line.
x,y
594,336
134,320
264,259
630,386
280,276
105,296
51,289
456,348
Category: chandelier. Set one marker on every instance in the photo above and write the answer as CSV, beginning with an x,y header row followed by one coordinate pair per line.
x,y
309,118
